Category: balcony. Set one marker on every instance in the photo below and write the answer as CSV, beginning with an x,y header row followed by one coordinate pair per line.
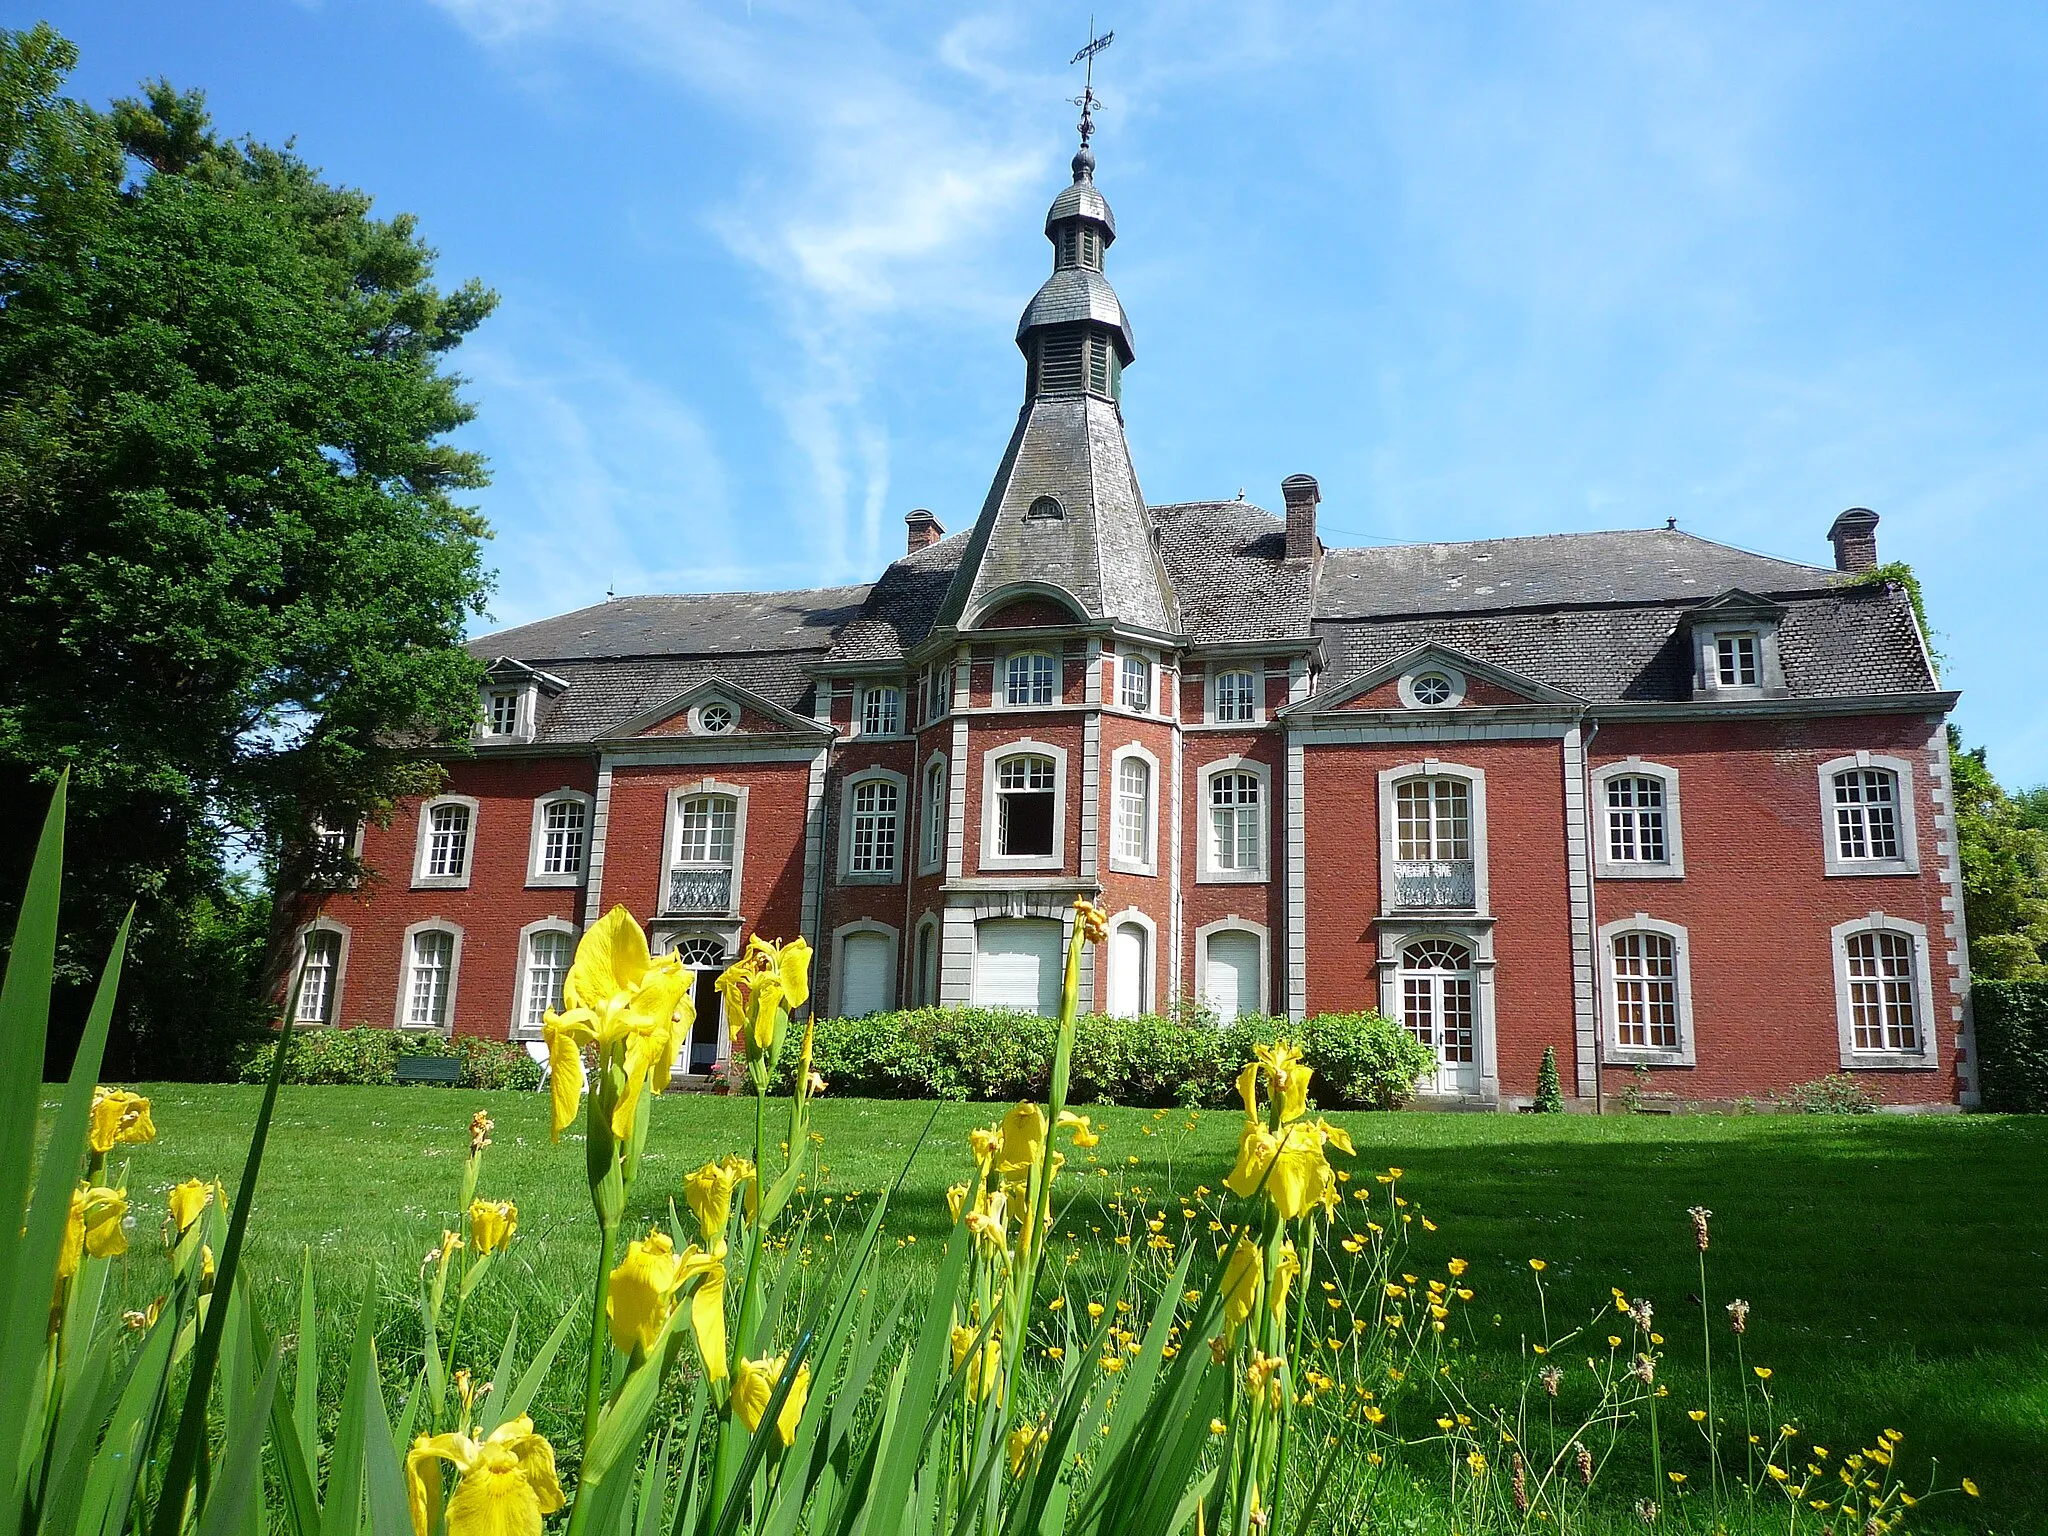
x,y
1434,885
697,891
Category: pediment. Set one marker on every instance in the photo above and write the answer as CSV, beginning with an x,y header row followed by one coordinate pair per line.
x,y
1736,604
700,711
1476,684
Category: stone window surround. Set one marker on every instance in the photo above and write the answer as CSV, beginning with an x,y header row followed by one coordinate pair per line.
x,y
999,690
1927,1057
321,924
1908,862
1395,934
671,829
1672,867
1617,1054
695,718
1706,677
991,817
421,880
1147,998
518,1030
428,925
1233,923
926,865
839,937
1206,872
527,707
860,710
1149,865
537,846
1432,768
1406,686
853,781
928,997
1256,666
1154,672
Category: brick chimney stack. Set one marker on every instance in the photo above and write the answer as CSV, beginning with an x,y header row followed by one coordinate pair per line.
x,y
925,530
1854,536
1301,493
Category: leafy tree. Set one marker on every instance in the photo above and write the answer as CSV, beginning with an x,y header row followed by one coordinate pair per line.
x,y
233,570
2003,844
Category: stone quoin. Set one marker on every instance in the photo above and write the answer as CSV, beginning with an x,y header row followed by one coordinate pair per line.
x,y
1679,810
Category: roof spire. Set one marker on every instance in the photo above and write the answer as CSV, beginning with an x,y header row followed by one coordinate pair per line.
x,y
1088,101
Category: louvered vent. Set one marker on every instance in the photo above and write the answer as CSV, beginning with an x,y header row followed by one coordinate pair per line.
x,y
1059,362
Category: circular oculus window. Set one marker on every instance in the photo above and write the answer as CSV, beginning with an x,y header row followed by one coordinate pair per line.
x,y
1433,688
1437,688
716,719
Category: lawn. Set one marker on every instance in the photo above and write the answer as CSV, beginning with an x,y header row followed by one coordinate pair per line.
x,y
1897,1269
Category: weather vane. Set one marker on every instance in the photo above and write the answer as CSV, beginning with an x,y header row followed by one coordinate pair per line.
x,y
1088,101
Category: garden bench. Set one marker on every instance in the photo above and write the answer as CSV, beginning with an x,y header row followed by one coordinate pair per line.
x,y
428,1069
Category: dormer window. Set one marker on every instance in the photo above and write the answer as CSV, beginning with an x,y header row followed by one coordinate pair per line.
x,y
881,711
1735,660
1735,648
1045,509
501,711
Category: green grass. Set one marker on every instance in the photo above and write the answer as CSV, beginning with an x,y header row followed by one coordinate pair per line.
x,y
1897,1268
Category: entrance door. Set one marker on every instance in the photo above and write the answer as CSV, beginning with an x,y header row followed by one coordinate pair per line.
x,y
1230,983
706,957
1437,1008
867,980
1017,964
1127,970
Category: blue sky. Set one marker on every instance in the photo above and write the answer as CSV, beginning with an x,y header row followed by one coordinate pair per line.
x,y
1482,269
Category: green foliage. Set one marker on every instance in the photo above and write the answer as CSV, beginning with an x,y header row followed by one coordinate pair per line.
x,y
1897,573
2012,1045
2003,844
368,1058
1836,1094
237,571
1549,1089
1361,1061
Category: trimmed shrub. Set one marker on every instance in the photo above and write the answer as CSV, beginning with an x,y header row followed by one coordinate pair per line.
x,y
1549,1088
2012,1045
368,1058
1836,1094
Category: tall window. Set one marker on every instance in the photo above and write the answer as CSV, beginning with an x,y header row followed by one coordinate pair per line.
x,y
938,692
1235,825
447,842
501,711
1866,814
1635,821
1030,678
1881,987
881,712
1134,682
548,954
1025,788
704,829
431,973
1234,698
323,970
935,812
872,848
1433,820
1646,991
1134,810
1735,661
563,826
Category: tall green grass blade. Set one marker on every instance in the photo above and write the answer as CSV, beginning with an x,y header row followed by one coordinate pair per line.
x,y
501,1379
90,1391
234,1498
190,1443
110,1485
341,1505
383,1472
930,1368
301,1504
537,1368
686,1503
306,1374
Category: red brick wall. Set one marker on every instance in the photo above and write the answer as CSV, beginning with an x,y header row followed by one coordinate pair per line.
x,y
883,903
1029,613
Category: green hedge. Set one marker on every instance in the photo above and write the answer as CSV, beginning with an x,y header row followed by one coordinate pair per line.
x,y
2012,1045
1361,1060
364,1057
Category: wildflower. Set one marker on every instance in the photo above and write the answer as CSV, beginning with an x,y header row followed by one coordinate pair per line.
x,y
1217,1426
1697,1415
708,1192
1738,1316
1646,1511
1520,1486
117,1115
491,1225
1551,1377
1085,1134
93,1226
1640,1313
188,1201
1301,1177
1090,921
1023,1141
1970,1488
1022,1442
641,1292
1286,1078
626,1004
1699,1215
1457,1267
508,1481
1538,1265
1644,1369
1763,1372
1582,1463
1242,1279
761,988
754,1384
1476,1460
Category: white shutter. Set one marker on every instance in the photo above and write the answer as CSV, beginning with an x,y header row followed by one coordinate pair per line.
x,y
865,981
1017,964
1231,978
1127,970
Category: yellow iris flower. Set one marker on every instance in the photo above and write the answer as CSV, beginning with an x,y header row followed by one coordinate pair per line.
x,y
508,1481
93,1226
1286,1077
1301,1177
629,1005
188,1202
1022,1442
767,982
754,1384
491,1225
1023,1143
118,1115
641,1293
1085,1134
709,1192
983,1371
1243,1278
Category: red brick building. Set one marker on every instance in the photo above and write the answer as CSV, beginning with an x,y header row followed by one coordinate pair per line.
x,y
1678,810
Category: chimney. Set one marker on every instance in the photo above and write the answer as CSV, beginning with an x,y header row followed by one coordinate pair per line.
x,y
1854,536
925,530
1302,494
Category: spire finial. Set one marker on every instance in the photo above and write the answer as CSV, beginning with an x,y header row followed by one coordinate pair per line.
x,y
1088,101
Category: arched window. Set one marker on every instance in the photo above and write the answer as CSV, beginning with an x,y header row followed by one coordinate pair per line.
x,y
1130,968
1233,697
871,829
1883,1010
447,836
881,711
1438,1009
1867,801
320,980
1232,959
1030,677
427,999
700,875
1237,823
549,954
1134,682
934,813
1133,843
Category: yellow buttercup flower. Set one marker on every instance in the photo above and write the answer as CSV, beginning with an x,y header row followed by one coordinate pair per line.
x,y
767,982
491,1225
93,1226
188,1202
508,1481
983,1371
754,1384
630,1006
118,1115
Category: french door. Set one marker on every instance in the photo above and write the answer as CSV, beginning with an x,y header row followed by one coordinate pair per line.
x,y
1438,1008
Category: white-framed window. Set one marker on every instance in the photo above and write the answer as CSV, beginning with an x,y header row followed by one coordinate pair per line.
x,y
1735,656
714,717
938,692
1129,990
505,712
881,710
1233,696
1134,814
1636,829
1867,803
932,851
1134,682
1432,838
1884,1003
323,950
1737,659
1234,820
873,818
1231,967
447,839
706,841
1024,796
547,950
1030,677
1432,687
433,954
561,838
1648,976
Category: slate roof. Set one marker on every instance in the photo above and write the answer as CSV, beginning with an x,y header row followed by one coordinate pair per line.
x,y
604,692
685,624
1226,562
902,606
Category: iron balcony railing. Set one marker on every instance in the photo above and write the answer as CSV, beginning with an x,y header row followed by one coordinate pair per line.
x,y
699,890
1434,884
